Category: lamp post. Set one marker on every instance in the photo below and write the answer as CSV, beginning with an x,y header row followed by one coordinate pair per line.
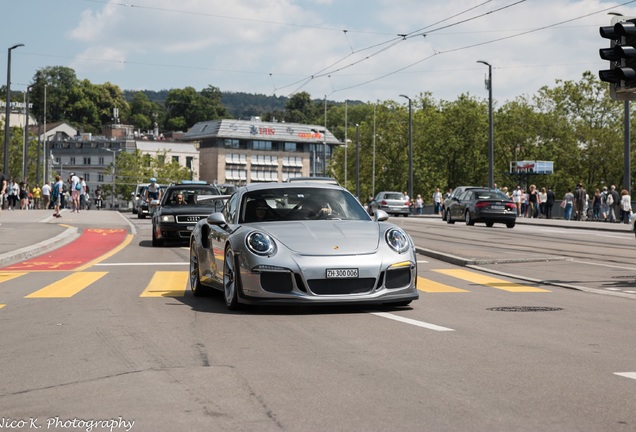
x,y
410,185
114,152
25,159
358,161
491,147
8,111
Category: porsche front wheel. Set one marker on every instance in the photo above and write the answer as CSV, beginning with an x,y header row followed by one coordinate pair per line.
x,y
230,281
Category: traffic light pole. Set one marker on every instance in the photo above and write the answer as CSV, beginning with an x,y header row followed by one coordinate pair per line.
x,y
627,181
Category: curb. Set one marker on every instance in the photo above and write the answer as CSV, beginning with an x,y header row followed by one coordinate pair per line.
x,y
61,239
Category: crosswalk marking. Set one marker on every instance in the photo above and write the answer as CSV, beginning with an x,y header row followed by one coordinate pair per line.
x,y
6,276
175,283
430,286
488,281
68,286
166,283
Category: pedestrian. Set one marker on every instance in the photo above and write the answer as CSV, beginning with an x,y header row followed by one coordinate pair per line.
x,y
76,191
56,195
98,197
543,198
437,201
568,199
24,195
524,203
580,195
533,202
37,196
596,205
604,207
516,198
615,205
419,204
46,196
626,206
551,198
3,189
14,193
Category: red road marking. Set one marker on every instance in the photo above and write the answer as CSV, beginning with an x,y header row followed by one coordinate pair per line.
x,y
91,244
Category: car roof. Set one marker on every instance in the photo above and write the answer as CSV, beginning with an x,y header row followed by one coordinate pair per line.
x,y
328,180
275,185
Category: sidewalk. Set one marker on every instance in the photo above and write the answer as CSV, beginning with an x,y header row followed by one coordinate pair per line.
x,y
28,233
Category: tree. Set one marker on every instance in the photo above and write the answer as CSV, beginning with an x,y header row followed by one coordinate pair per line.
x,y
185,107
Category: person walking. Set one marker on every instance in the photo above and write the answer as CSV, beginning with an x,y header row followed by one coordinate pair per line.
x,y
533,202
568,199
543,198
437,201
56,195
3,189
76,191
550,199
419,205
580,195
46,196
626,206
516,198
615,205
596,205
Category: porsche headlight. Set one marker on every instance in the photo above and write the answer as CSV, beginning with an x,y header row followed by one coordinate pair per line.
x,y
398,240
260,243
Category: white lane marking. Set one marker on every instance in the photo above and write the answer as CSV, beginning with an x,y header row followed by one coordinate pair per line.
x,y
631,375
422,262
143,264
412,321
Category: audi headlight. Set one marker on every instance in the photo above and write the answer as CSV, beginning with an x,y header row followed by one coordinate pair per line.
x,y
398,240
167,218
260,243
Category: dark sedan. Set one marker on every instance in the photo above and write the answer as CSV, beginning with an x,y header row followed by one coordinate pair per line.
x,y
182,206
482,205
456,193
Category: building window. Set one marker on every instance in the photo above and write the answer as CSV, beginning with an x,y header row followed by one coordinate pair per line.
x,y
231,143
175,159
189,160
292,161
100,177
87,160
261,145
87,177
72,160
267,160
290,147
101,160
236,159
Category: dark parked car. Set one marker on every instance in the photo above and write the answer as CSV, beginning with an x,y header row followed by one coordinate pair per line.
x,y
482,205
394,203
456,193
182,206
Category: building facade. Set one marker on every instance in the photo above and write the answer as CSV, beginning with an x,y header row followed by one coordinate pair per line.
x,y
249,151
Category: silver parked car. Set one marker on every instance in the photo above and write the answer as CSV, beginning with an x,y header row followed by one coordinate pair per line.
x,y
301,243
394,203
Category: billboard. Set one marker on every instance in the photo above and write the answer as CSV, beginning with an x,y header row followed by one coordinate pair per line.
x,y
532,167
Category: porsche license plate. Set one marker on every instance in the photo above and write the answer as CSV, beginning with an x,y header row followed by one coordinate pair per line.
x,y
344,273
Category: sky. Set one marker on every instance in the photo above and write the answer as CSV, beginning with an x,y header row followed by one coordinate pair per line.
x,y
368,50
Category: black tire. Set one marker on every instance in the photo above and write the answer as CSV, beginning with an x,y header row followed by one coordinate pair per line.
x,y
468,219
449,218
198,289
510,224
489,224
230,281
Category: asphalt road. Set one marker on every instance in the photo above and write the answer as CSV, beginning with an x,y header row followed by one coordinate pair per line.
x,y
479,351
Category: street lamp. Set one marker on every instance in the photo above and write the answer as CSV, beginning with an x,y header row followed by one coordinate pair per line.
x,y
491,147
410,185
358,161
114,152
8,111
25,159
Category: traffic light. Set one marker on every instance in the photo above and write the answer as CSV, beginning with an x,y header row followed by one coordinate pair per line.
x,y
622,57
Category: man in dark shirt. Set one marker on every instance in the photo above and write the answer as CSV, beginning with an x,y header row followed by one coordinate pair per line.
x,y
579,201
549,203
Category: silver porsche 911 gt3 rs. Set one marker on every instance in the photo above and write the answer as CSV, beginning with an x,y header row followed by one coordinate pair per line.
x,y
302,243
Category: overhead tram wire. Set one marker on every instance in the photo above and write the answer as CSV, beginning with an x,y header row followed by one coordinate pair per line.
x,y
481,44
402,37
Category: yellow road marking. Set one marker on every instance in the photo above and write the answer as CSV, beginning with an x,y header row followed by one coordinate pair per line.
x,y
1,306
5,276
488,281
167,284
431,286
69,286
